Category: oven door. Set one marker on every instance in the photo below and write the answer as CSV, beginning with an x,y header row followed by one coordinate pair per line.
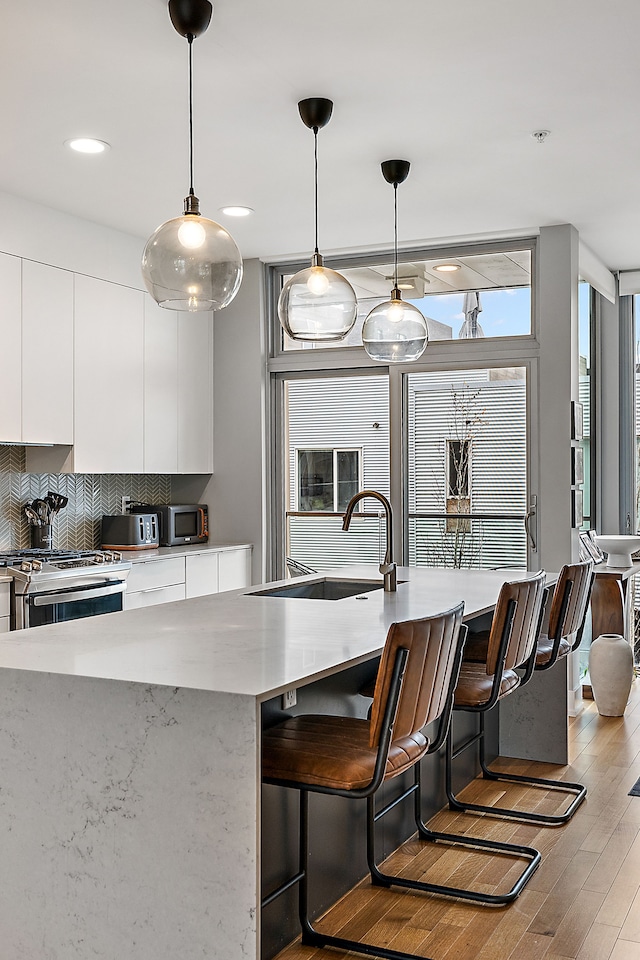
x,y
57,606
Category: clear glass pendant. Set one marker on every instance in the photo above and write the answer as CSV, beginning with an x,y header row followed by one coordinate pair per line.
x,y
317,304
192,263
395,332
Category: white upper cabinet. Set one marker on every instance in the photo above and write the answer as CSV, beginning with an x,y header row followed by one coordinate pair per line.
x,y
133,382
11,351
178,391
47,354
160,389
108,375
195,393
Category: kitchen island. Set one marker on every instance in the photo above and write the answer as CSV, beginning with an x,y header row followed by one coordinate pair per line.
x,y
130,759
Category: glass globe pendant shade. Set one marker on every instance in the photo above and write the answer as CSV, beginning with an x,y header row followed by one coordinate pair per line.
x,y
317,304
395,332
192,263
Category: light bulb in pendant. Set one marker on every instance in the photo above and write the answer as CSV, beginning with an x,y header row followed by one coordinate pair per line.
x,y
191,234
395,312
318,282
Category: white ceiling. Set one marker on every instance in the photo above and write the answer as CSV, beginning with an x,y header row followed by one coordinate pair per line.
x,y
456,88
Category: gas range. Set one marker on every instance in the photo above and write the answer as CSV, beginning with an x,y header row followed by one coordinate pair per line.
x,y
71,583
30,565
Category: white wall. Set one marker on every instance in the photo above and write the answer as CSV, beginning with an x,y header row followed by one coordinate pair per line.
x,y
40,233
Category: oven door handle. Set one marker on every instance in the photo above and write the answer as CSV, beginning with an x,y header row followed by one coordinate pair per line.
x,y
49,599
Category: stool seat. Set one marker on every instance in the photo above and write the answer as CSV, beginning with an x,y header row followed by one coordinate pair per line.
x,y
333,752
545,649
475,685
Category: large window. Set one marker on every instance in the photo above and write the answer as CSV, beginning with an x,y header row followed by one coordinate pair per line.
x,y
445,440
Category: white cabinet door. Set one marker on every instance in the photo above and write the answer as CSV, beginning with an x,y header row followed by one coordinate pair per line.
x,y
202,574
4,625
160,388
195,393
10,349
47,354
109,382
235,569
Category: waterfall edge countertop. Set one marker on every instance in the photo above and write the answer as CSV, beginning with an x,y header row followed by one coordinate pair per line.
x,y
130,749
256,646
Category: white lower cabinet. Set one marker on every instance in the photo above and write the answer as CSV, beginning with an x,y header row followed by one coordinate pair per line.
x,y
153,595
5,595
194,575
202,574
235,569
155,581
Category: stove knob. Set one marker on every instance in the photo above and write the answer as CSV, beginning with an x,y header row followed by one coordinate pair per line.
x,y
116,556
99,558
37,566
25,566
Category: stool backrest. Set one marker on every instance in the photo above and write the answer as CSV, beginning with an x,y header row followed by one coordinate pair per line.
x,y
570,599
517,613
432,644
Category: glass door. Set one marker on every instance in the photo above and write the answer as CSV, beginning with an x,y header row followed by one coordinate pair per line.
x,y
467,468
335,442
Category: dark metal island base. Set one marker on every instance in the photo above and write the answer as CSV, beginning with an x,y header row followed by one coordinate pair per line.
x,y
130,753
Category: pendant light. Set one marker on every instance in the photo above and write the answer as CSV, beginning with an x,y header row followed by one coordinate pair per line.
x,y
317,303
190,262
394,331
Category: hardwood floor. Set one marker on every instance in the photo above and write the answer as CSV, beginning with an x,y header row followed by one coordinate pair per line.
x,y
583,902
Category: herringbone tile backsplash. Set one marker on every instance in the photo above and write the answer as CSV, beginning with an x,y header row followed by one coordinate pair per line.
x,y
77,526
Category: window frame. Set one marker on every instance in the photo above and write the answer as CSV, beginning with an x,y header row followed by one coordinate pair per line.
x,y
335,479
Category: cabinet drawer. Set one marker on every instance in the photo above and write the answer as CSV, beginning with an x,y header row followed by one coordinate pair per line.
x,y
153,595
155,573
4,599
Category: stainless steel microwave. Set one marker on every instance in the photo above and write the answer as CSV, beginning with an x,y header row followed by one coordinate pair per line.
x,y
178,523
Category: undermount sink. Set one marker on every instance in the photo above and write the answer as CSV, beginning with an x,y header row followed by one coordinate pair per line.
x,y
325,589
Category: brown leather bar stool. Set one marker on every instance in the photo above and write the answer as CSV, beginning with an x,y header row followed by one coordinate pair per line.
x,y
567,616
349,757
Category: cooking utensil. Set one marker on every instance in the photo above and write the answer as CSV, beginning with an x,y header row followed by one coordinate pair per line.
x,y
42,510
56,500
31,514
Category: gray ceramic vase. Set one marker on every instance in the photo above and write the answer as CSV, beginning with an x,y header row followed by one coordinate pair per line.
x,y
611,673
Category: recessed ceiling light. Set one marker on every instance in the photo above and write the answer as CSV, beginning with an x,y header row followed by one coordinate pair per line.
x,y
237,211
447,267
87,145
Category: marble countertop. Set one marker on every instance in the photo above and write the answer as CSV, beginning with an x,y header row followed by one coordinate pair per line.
x,y
241,644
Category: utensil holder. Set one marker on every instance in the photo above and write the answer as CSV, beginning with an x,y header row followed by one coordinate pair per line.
x,y
42,536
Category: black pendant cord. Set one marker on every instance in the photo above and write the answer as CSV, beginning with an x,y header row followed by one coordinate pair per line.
x,y
395,236
315,196
191,190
